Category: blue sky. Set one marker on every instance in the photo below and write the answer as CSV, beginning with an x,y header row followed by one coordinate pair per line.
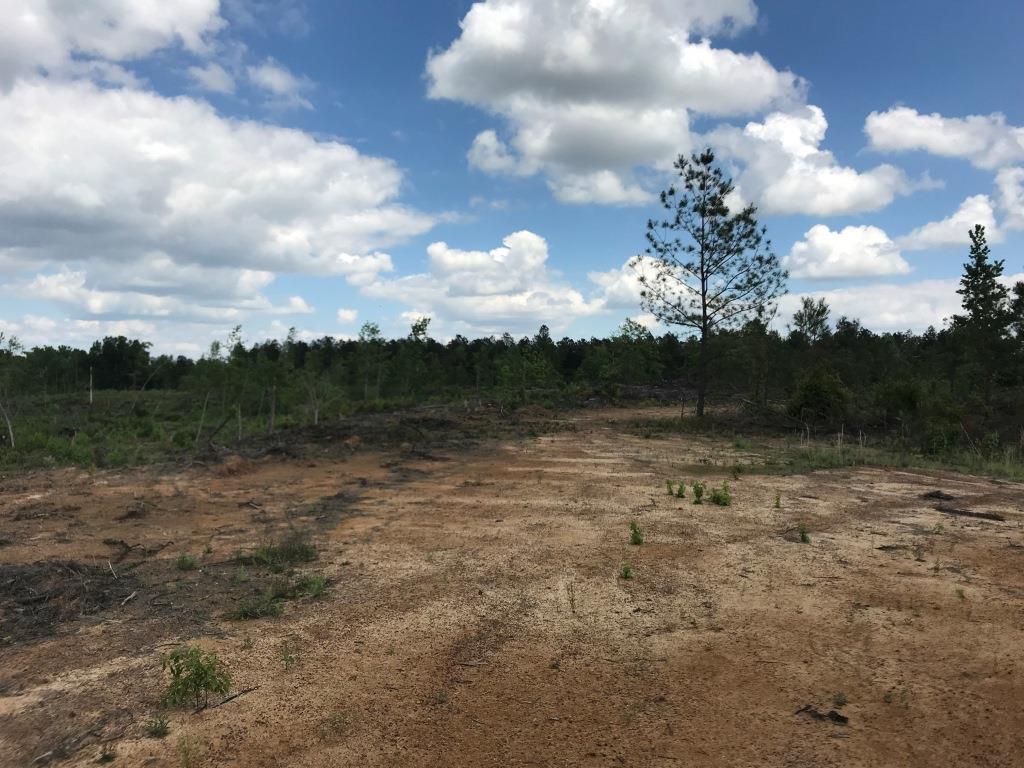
x,y
169,170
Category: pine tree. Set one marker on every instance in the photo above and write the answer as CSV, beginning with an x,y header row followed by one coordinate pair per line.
x,y
984,297
706,267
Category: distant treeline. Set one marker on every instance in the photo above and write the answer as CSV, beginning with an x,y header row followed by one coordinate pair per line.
x,y
938,388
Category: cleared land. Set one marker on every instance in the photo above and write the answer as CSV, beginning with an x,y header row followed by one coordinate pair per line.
x,y
474,611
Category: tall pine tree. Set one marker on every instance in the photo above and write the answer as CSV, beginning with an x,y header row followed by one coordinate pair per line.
x,y
984,297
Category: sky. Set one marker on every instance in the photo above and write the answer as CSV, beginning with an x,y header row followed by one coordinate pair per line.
x,y
170,169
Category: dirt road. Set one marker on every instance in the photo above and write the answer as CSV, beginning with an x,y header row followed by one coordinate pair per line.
x,y
476,613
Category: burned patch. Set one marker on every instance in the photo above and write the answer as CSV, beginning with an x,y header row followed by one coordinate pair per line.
x,y
35,599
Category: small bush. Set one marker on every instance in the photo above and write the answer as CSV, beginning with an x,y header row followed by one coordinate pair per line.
x,y
636,536
107,754
804,536
668,484
778,501
626,572
721,496
186,562
839,700
195,674
698,492
157,727
681,491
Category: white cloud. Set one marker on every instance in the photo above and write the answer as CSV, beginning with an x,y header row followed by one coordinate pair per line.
x,y
591,91
45,34
508,288
286,89
785,171
1010,186
119,204
952,231
347,316
987,141
855,251
212,77
144,173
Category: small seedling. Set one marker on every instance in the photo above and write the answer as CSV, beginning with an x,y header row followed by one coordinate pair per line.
x,y
190,751
919,553
778,501
157,726
207,550
289,657
721,496
804,536
839,700
698,492
107,754
938,529
626,572
960,593
668,484
681,491
195,674
247,644
636,536
241,576
186,562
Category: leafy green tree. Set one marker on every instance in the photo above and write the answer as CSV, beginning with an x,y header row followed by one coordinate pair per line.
x,y
984,297
706,268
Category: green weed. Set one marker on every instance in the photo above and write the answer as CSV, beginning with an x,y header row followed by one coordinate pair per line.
x,y
157,726
626,572
185,562
805,538
195,674
698,492
721,496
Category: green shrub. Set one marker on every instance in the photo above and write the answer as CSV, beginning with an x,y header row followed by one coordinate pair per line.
x,y
626,572
721,496
681,491
636,536
804,536
820,398
195,674
185,562
698,492
311,585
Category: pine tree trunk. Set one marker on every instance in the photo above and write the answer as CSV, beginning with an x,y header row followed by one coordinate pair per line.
x,y
10,429
702,374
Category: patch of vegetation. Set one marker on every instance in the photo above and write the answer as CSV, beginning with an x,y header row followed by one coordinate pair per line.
x,y
288,656
157,726
839,700
960,593
190,751
698,492
626,572
681,491
311,585
805,538
270,602
185,562
777,504
636,536
195,674
277,556
721,496
668,484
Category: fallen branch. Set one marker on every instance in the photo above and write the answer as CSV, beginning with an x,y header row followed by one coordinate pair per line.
x,y
951,510
222,702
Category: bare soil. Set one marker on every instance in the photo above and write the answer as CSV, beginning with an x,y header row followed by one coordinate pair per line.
x,y
475,614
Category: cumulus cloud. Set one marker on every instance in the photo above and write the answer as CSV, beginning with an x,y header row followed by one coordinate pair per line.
x,y
347,316
120,204
860,251
285,88
987,141
1010,186
45,34
509,288
589,92
784,170
212,77
952,230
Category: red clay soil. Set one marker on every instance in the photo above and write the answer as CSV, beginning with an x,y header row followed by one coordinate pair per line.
x,y
475,613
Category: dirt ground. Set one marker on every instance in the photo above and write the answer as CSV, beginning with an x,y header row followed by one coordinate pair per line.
x,y
475,613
